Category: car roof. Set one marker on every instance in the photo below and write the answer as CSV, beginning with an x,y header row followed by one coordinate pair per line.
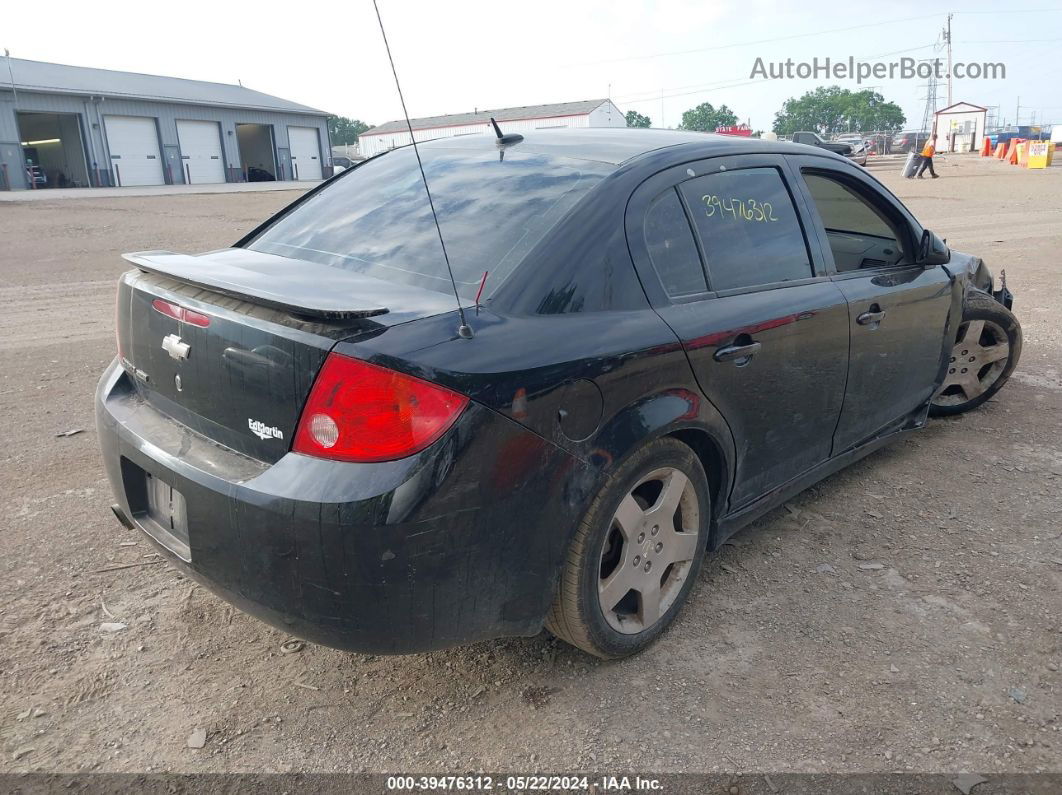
x,y
616,145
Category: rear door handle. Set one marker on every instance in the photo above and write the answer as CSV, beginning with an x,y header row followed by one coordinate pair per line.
x,y
869,318
739,354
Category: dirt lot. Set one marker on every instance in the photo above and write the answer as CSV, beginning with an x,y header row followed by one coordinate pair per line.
x,y
789,657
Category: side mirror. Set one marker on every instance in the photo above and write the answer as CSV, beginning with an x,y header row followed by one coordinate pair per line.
x,y
932,250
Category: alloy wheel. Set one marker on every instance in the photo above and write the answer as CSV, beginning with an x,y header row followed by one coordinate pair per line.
x,y
977,361
648,551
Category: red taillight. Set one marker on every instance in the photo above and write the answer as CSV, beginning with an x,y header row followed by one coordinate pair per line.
x,y
178,312
361,412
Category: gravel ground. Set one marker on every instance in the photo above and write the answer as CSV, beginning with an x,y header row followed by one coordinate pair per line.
x,y
791,655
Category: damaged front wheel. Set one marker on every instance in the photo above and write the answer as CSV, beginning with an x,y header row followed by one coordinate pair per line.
x,y
987,348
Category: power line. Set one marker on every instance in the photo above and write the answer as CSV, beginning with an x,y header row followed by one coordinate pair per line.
x,y
1015,11
760,41
656,94
810,34
659,97
1008,41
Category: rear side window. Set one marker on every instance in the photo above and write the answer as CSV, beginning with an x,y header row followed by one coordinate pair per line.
x,y
376,220
748,227
671,246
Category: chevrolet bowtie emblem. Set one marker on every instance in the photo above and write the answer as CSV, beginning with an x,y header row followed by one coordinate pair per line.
x,y
172,344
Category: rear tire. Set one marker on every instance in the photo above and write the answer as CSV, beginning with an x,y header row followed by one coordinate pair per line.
x,y
987,349
635,554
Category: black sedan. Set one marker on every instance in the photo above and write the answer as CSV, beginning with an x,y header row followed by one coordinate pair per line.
x,y
671,333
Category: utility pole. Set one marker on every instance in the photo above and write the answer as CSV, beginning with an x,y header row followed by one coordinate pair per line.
x,y
947,38
1017,112
11,75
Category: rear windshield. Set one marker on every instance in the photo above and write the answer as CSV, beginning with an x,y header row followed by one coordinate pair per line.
x,y
376,219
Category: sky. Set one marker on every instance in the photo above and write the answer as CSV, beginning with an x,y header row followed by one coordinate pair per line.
x,y
657,57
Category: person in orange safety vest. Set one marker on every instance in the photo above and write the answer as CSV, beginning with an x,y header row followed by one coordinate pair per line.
x,y
927,159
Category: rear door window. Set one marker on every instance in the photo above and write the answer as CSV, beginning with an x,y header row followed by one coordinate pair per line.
x,y
672,249
748,228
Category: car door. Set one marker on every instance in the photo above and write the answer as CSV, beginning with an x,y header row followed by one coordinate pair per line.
x,y
898,309
721,250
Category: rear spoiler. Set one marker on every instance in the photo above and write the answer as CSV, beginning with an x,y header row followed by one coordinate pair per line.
x,y
297,286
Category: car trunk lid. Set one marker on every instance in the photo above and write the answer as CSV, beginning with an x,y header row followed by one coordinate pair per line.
x,y
221,346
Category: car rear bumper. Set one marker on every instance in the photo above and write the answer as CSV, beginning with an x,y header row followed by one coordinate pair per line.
x,y
459,543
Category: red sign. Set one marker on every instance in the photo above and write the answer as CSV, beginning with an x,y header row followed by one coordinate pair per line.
x,y
739,129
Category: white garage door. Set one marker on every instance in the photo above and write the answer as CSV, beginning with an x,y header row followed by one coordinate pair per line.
x,y
134,145
200,151
305,152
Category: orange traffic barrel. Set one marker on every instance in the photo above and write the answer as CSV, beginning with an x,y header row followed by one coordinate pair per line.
x,y
1012,152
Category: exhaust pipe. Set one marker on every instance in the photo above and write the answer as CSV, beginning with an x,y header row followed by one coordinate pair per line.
x,y
119,514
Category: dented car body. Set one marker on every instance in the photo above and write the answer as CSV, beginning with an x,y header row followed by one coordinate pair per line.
x,y
639,285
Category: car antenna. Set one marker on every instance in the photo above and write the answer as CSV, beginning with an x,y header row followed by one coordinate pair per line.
x,y
464,330
504,140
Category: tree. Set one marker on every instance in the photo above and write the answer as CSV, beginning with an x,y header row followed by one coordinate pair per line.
x,y
705,118
345,131
635,119
832,109
868,110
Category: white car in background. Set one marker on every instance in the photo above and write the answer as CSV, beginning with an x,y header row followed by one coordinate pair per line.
x,y
858,155
341,163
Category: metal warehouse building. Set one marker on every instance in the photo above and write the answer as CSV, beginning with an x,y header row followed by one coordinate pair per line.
x,y
586,113
69,126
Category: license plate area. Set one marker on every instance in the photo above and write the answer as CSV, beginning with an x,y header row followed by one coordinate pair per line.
x,y
158,508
